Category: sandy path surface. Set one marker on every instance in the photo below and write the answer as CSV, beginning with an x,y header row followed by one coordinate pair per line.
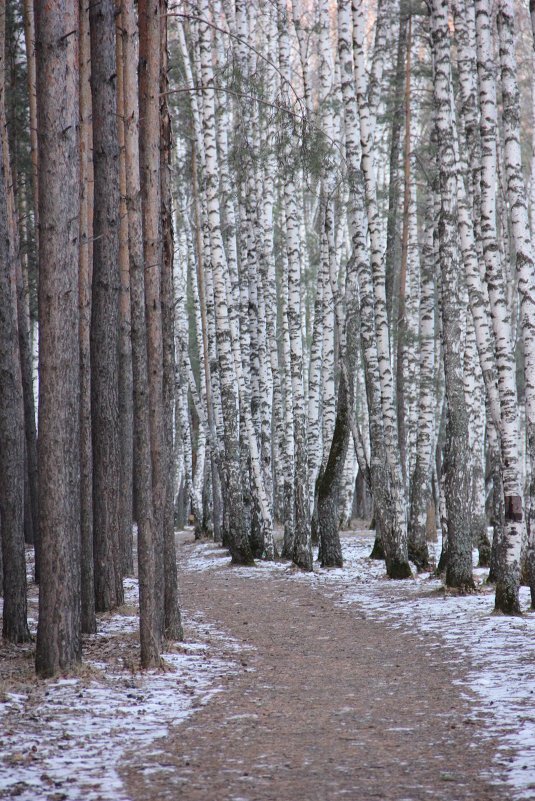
x,y
328,703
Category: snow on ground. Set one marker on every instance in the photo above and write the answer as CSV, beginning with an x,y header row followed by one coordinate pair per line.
x,y
499,650
61,740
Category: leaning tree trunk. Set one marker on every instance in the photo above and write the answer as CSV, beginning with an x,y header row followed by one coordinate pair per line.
x,y
59,643
105,311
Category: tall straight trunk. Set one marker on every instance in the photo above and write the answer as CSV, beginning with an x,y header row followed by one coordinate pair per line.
x,y
125,341
238,535
402,313
149,115
149,630
14,625
396,535
29,40
106,288
525,265
392,248
89,621
508,574
59,628
23,323
420,490
172,621
302,551
459,550
288,418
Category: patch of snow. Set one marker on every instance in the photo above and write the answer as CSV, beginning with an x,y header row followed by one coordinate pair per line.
x,y
64,738
501,649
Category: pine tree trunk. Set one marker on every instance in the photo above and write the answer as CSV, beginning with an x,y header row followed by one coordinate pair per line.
x,y
126,543
14,625
31,530
149,110
59,628
149,630
106,287
89,621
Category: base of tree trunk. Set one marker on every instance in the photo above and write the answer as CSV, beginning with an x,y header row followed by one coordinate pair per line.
x,y
378,551
507,600
398,569
484,552
302,558
419,554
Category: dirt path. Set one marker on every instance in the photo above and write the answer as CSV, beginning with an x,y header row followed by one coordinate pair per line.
x,y
328,704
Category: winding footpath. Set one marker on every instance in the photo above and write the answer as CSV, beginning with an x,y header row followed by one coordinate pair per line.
x,y
326,703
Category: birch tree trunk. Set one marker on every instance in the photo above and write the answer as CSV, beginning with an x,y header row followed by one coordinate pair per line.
x,y
508,574
420,491
517,197
456,484
302,550
238,534
395,532
172,620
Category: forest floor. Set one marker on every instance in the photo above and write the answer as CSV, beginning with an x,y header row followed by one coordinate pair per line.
x,y
335,684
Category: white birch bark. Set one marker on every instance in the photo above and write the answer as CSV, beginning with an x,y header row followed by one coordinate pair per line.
x,y
517,197
399,534
459,545
425,441
384,467
237,534
508,577
302,553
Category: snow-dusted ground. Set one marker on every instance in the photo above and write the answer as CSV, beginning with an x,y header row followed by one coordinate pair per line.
x,y
499,651
62,740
